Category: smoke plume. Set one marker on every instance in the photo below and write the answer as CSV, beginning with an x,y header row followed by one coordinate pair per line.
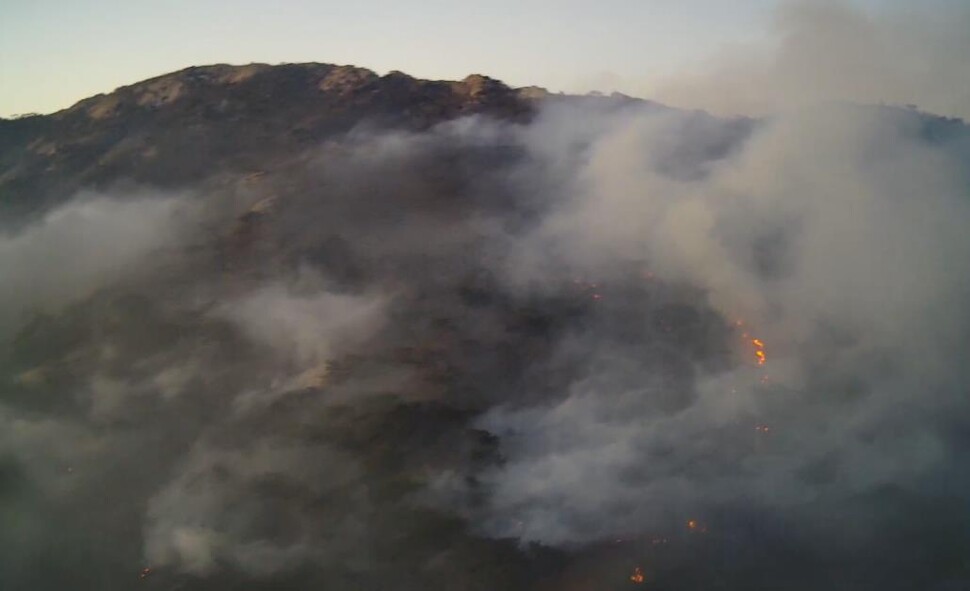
x,y
834,50
617,339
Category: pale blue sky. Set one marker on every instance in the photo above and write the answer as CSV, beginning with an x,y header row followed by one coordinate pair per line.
x,y
55,52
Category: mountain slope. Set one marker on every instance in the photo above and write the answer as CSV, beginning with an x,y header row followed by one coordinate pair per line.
x,y
306,327
176,129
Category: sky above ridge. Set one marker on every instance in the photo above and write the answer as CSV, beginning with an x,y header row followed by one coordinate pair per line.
x,y
55,52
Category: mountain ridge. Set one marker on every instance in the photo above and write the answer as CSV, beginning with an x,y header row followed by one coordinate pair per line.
x,y
174,129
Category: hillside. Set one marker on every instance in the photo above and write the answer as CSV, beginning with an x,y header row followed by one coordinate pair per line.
x,y
307,327
176,129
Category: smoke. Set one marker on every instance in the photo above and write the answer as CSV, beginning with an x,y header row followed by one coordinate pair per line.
x,y
80,247
303,326
216,511
515,356
827,233
836,51
134,369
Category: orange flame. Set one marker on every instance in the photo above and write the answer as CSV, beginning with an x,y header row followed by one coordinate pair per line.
x,y
637,576
759,345
759,351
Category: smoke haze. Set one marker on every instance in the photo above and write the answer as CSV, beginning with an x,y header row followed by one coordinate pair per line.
x,y
832,50
516,354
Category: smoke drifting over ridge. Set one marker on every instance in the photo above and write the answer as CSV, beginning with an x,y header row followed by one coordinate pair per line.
x,y
835,50
497,355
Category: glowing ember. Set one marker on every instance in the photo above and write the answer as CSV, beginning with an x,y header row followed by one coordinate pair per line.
x,y
637,576
695,526
762,429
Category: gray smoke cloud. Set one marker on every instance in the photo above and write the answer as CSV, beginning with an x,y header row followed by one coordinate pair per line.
x,y
303,321
834,50
81,246
130,363
828,234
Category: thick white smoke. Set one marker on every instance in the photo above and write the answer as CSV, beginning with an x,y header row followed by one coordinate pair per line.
x,y
835,234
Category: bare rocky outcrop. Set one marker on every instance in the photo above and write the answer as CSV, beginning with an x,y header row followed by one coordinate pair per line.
x,y
181,127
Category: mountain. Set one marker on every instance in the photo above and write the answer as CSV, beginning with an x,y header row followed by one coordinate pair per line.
x,y
175,129
307,327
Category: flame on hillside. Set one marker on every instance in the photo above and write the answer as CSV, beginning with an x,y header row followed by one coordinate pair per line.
x,y
757,344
